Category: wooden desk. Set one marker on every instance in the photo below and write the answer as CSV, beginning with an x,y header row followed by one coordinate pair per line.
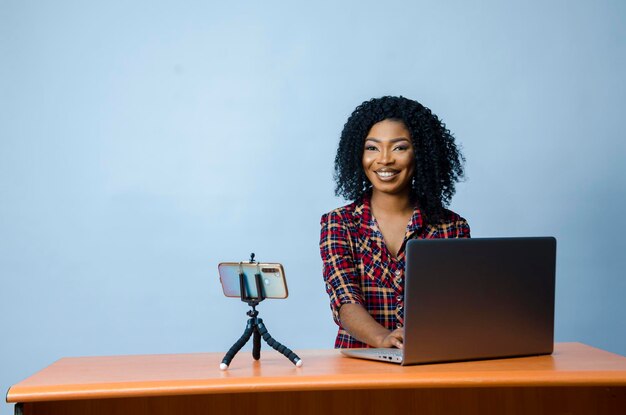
x,y
576,379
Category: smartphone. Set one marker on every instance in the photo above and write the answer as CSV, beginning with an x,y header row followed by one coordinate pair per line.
x,y
273,282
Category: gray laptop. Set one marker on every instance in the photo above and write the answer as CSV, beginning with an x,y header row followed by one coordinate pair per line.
x,y
471,299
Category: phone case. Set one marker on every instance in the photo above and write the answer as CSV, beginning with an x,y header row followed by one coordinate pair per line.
x,y
274,284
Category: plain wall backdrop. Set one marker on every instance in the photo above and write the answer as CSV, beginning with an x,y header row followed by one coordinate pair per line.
x,y
141,143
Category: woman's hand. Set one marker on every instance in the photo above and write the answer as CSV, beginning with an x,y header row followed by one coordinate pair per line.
x,y
362,326
393,339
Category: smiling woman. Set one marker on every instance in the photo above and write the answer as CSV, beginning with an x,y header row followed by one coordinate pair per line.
x,y
399,164
388,156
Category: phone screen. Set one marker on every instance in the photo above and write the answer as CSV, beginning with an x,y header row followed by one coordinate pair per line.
x,y
273,280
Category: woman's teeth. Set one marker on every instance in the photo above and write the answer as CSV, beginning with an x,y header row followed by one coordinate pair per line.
x,y
386,173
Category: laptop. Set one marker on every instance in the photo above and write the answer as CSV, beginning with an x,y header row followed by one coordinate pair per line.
x,y
473,299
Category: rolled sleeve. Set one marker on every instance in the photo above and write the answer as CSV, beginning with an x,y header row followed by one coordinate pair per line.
x,y
340,274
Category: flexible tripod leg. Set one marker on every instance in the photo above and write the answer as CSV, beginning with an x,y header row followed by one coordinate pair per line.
x,y
256,343
288,353
250,327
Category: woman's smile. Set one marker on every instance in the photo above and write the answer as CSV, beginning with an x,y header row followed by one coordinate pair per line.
x,y
387,175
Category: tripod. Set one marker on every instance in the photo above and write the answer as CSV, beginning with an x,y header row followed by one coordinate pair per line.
x,y
255,327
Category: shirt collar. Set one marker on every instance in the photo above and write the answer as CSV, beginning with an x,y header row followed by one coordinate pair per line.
x,y
416,223
363,218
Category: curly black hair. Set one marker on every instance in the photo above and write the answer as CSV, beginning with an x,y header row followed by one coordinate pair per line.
x,y
438,161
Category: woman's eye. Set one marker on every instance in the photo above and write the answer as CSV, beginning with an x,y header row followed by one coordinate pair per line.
x,y
370,148
402,148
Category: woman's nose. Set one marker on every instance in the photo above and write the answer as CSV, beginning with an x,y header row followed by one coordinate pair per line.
x,y
386,157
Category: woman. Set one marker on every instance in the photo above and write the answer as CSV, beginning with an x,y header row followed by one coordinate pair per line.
x,y
399,164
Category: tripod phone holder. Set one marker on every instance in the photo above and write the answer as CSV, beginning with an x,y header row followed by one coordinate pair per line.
x,y
255,327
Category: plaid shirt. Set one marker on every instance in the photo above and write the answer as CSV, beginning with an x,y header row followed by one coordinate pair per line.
x,y
358,268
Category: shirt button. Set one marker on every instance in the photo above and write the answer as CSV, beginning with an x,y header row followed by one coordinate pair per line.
x,y
398,272
400,307
399,325
399,280
399,298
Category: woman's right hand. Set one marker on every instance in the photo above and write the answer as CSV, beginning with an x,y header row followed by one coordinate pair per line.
x,y
362,326
393,339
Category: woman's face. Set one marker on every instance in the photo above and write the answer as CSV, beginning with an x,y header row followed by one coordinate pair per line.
x,y
388,157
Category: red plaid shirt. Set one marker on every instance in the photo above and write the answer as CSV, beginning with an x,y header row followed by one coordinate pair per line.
x,y
358,268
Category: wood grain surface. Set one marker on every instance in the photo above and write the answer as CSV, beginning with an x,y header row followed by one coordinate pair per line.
x,y
75,378
466,401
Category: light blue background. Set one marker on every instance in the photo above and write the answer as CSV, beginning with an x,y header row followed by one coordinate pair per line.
x,y
142,143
